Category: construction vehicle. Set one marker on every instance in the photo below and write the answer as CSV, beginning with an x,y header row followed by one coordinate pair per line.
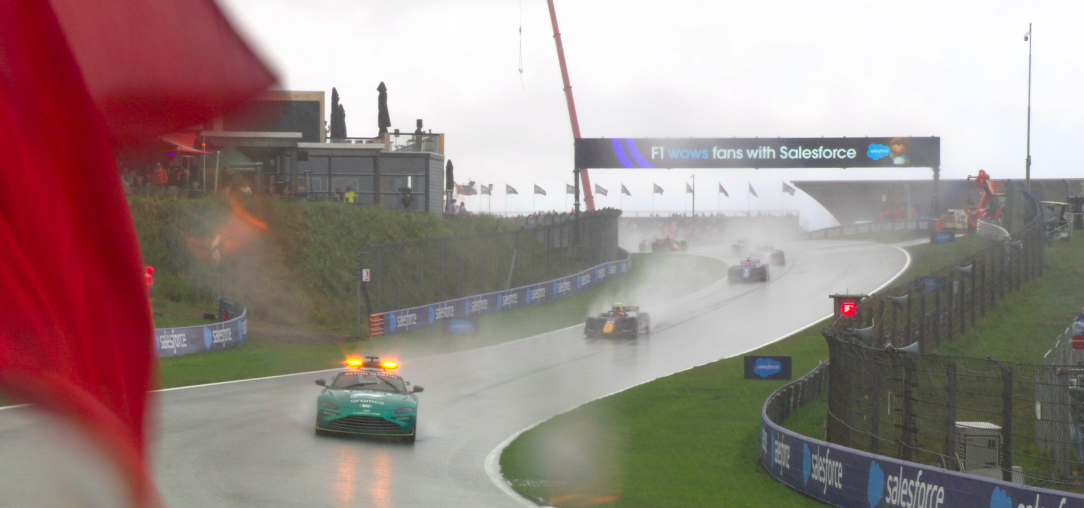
x,y
988,209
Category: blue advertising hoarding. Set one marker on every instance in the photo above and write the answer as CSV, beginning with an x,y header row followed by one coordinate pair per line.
x,y
186,340
848,478
425,316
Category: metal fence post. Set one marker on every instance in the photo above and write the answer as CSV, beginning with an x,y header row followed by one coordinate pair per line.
x,y
882,328
985,286
399,276
910,329
974,272
895,325
1006,426
939,312
962,301
421,272
907,434
379,274
951,302
924,334
875,412
950,413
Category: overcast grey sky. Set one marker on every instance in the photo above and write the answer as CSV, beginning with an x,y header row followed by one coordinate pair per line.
x,y
683,68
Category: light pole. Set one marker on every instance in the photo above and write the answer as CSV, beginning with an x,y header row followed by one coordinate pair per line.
x,y
1027,163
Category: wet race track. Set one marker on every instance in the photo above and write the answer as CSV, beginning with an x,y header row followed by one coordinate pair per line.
x,y
252,444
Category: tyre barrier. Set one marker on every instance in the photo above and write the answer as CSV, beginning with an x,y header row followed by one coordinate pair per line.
x,y
231,332
850,478
436,314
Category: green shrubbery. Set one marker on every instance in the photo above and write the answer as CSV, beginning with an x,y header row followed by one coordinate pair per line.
x,y
298,269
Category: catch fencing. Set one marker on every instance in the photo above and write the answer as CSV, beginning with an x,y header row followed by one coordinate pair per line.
x,y
414,273
889,394
846,477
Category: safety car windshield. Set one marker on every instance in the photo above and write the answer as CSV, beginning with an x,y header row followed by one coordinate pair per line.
x,y
369,380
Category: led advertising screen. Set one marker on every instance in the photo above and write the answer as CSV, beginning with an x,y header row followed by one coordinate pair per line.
x,y
889,152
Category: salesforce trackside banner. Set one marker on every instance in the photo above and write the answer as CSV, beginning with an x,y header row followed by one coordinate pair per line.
x,y
197,339
850,478
417,318
898,152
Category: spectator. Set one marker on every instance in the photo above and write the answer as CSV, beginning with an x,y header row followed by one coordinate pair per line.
x,y
350,197
1076,414
160,179
245,189
338,194
462,208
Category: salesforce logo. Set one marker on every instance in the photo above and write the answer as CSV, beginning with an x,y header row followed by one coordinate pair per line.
x,y
878,152
766,367
898,490
876,488
212,337
822,470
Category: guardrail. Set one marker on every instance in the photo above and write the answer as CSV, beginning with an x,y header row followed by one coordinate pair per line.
x,y
231,331
871,227
846,477
437,314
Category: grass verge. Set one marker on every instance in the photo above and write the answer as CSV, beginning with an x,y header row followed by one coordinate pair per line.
x,y
689,439
264,356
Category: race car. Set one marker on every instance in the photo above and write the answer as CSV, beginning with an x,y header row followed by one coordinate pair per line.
x,y
620,321
750,270
368,398
739,247
668,245
775,256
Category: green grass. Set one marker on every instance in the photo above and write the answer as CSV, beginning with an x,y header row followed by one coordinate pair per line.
x,y
291,262
171,314
628,450
265,357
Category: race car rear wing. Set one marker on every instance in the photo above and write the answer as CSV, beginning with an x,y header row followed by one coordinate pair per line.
x,y
630,308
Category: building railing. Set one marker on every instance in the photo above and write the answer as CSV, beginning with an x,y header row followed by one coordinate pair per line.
x,y
398,142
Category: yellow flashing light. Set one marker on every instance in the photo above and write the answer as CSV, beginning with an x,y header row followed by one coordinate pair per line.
x,y
389,365
353,363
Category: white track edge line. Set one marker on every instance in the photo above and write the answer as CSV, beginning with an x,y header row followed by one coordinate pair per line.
x,y
492,461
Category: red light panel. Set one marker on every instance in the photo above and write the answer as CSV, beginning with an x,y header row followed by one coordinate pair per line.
x,y
847,308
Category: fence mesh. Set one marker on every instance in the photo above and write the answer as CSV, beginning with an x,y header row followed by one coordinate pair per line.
x,y
890,392
418,272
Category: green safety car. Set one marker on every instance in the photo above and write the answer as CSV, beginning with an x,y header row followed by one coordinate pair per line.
x,y
369,398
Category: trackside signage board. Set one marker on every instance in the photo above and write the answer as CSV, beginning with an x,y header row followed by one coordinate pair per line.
x,y
197,339
767,367
472,307
846,477
890,152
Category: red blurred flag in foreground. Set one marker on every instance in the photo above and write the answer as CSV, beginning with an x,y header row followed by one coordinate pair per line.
x,y
75,323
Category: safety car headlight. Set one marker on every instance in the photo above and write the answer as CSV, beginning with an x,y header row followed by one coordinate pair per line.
x,y
403,410
329,405
329,413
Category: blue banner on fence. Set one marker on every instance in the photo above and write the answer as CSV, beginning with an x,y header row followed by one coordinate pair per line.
x,y
846,477
417,318
197,339
767,367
